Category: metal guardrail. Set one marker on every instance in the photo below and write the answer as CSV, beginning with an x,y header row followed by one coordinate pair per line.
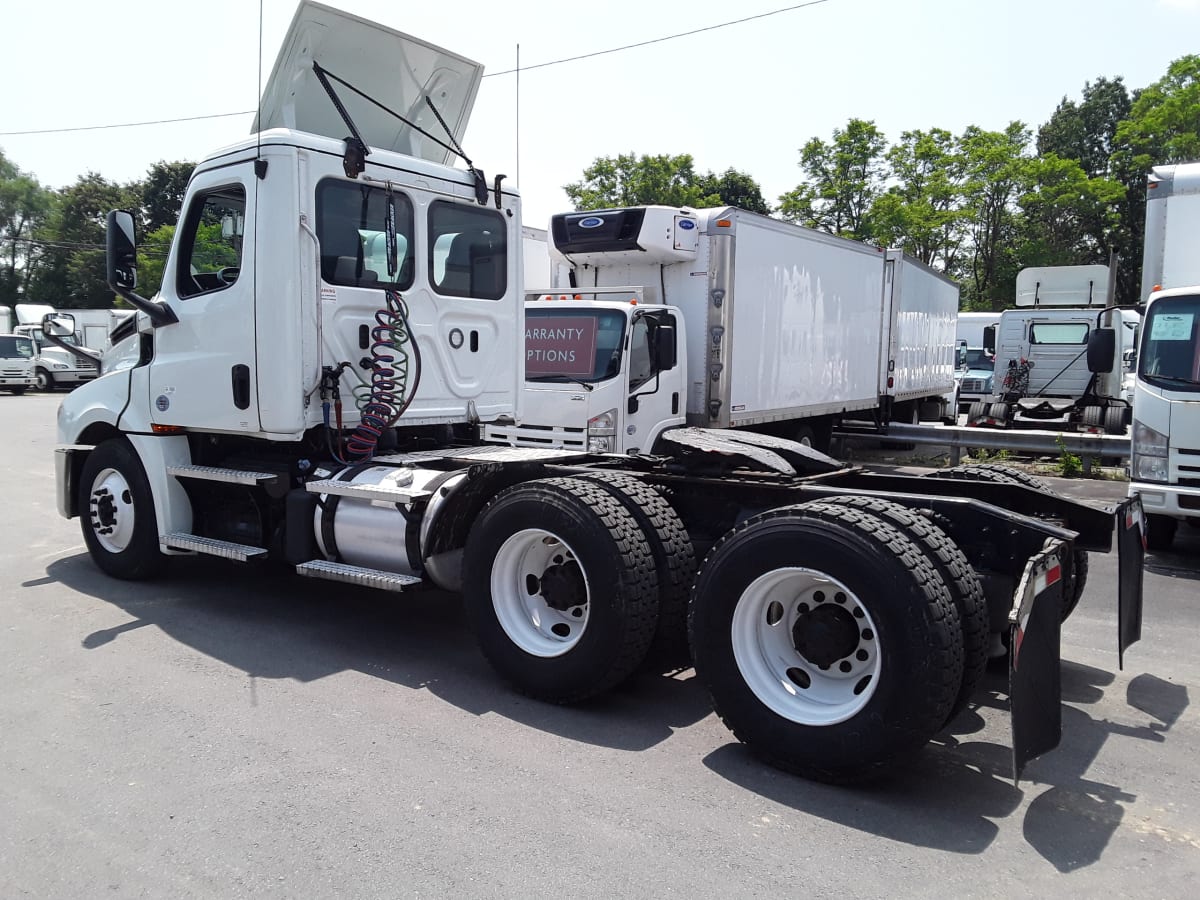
x,y
1088,447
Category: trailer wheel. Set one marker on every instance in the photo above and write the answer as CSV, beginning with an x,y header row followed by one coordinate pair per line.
x,y
976,410
674,559
1072,591
827,640
1114,419
560,585
1160,532
999,411
966,590
1091,416
43,380
117,515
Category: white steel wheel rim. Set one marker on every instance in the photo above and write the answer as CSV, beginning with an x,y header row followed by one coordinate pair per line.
x,y
110,507
780,676
520,571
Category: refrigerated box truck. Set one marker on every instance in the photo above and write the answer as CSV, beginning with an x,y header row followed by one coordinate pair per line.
x,y
779,329
1165,462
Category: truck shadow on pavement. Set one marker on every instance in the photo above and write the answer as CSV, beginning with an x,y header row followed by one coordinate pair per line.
x,y
272,624
952,793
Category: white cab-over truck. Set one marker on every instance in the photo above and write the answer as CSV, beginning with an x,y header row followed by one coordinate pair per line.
x,y
771,327
1048,373
1165,461
309,386
17,353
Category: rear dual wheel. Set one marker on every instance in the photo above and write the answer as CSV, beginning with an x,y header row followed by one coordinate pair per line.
x,y
561,588
827,639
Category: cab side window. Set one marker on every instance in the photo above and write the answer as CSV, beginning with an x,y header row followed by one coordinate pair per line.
x,y
468,252
352,223
211,242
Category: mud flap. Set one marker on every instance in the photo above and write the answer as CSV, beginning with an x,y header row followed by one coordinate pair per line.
x,y
1131,554
1034,669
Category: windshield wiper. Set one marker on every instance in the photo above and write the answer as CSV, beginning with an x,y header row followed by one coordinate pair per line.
x,y
586,385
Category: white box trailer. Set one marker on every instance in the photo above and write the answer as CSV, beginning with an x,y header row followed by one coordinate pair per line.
x,y
921,315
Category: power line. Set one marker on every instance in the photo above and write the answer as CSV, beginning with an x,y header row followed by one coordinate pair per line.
x,y
669,37
553,62
244,112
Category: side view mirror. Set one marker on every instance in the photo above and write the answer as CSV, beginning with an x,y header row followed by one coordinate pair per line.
x,y
121,261
59,325
122,251
989,339
962,355
1101,350
665,353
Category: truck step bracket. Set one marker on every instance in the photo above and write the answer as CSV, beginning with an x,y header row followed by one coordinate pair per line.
x,y
178,540
228,476
376,578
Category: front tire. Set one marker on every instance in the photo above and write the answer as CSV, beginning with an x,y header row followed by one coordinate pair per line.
x,y
17,391
44,381
1160,532
116,513
827,640
560,586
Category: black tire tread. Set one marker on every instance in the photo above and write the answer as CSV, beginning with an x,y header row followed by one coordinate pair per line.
x,y
966,590
938,631
142,559
635,575
674,559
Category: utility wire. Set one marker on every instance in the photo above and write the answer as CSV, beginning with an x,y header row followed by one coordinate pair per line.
x,y
553,62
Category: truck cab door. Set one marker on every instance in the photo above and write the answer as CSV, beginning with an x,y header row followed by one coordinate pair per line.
x,y
203,373
655,381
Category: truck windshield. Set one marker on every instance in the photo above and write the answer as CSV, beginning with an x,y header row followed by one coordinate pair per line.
x,y
978,359
1170,355
573,344
15,347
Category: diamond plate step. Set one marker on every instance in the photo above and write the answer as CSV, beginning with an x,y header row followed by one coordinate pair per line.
x,y
368,491
228,476
178,540
376,578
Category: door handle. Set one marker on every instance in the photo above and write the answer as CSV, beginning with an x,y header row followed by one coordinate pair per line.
x,y
241,386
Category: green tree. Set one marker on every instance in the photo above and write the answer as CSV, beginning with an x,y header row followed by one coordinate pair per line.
x,y
73,274
152,259
1067,217
1085,132
735,188
163,192
921,212
996,172
631,180
843,178
1163,126
24,205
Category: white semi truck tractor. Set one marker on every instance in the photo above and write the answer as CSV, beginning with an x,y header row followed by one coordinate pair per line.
x,y
341,316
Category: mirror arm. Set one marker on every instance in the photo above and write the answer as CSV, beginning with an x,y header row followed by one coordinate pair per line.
x,y
83,354
160,314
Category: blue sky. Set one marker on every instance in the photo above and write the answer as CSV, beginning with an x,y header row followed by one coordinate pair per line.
x,y
746,96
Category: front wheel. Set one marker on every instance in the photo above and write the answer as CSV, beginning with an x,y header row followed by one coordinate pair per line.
x,y
1160,532
561,588
827,640
116,512
44,381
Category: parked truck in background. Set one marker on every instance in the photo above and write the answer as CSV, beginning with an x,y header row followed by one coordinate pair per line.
x,y
1165,459
771,327
17,354
1045,375
54,366
311,392
977,367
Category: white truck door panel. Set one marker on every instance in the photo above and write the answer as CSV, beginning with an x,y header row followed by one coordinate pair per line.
x,y
203,372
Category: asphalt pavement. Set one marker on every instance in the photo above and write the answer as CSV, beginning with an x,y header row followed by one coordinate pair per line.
x,y
239,731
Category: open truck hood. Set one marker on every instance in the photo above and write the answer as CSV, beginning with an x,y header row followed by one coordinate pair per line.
x,y
395,69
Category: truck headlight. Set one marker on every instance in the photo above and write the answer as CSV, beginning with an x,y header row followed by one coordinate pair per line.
x,y
1149,453
601,430
59,366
